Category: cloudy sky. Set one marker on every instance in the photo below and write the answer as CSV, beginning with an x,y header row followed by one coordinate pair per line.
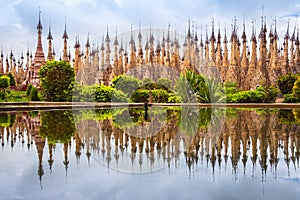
x,y
18,18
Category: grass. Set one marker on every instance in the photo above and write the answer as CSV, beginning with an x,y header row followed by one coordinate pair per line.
x,y
16,96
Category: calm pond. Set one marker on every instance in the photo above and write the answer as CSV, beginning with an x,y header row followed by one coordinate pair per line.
x,y
158,153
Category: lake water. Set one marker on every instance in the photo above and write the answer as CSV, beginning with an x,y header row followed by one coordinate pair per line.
x,y
158,153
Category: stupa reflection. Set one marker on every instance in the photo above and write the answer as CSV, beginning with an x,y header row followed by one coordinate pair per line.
x,y
241,140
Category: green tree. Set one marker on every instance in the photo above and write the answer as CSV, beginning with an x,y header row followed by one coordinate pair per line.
x,y
296,88
4,84
286,83
126,84
57,81
12,79
57,126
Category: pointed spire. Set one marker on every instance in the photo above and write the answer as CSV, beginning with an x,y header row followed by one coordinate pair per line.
x,y
253,37
140,35
244,32
287,36
212,38
107,39
39,26
77,44
275,29
87,45
168,35
65,35
131,36
116,43
225,36
49,34
297,38
102,44
189,29
206,36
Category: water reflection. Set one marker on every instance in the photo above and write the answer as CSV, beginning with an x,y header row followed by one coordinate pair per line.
x,y
125,140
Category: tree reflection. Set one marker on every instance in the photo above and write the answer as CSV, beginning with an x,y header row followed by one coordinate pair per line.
x,y
57,126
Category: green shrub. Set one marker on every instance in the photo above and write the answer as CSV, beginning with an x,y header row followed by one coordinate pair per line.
x,y
34,94
140,96
4,82
126,84
290,98
174,98
12,79
28,90
160,96
286,83
296,88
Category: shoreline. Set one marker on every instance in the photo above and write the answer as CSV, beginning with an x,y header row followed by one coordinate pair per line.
x,y
27,106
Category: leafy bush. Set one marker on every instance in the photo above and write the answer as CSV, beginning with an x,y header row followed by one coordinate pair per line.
x,y
126,84
296,88
286,83
34,94
160,96
260,95
28,90
290,98
140,96
173,98
4,84
270,93
98,93
231,87
12,79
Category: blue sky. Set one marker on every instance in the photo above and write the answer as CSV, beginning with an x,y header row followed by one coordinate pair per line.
x,y
18,18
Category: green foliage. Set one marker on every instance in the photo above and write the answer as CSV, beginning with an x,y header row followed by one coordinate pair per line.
x,y
173,98
192,88
12,79
57,80
140,96
185,91
4,120
286,117
57,126
126,84
231,87
4,84
98,93
260,95
211,91
34,94
160,96
286,83
270,93
28,90
296,88
290,98
246,97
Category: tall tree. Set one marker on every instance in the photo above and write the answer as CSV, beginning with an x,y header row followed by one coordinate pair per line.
x,y
57,81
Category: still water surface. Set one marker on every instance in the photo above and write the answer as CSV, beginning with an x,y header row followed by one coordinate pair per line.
x,y
161,153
